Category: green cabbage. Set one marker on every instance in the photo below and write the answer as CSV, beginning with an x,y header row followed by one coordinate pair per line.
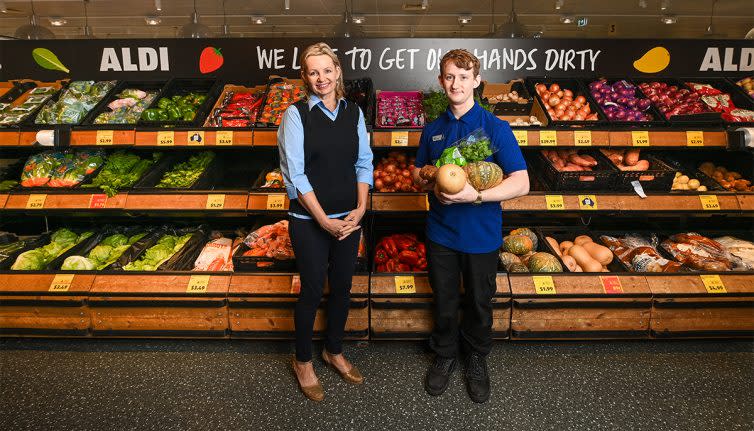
x,y
29,261
116,240
100,253
64,236
77,263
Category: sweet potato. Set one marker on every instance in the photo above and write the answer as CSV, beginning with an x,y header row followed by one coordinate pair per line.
x,y
641,165
631,157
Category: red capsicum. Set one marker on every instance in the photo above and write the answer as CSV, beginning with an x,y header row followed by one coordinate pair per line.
x,y
421,249
404,243
380,256
408,257
381,267
390,247
402,267
421,265
390,266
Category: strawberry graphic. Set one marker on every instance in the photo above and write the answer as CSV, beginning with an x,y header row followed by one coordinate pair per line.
x,y
210,60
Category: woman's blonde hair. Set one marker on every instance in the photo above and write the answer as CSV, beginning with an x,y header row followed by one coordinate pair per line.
x,y
322,49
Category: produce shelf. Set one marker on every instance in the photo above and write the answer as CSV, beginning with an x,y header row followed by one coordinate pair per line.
x,y
9,138
573,306
183,138
27,138
548,201
389,202
38,202
102,137
3,199
678,203
670,138
396,138
702,306
746,202
268,201
222,202
266,138
564,138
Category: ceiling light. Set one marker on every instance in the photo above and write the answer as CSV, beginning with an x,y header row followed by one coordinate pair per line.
x,y
58,21
33,31
259,19
567,19
425,4
287,4
512,28
668,19
643,4
664,5
194,29
152,20
559,4
157,6
3,8
464,19
358,19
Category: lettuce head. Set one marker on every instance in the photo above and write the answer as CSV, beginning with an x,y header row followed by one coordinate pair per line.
x,y
29,261
79,263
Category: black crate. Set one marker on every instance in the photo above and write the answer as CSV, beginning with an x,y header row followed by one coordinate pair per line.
x,y
657,121
181,260
734,81
688,169
19,90
659,176
205,181
578,90
155,86
511,108
361,91
210,87
260,181
708,119
602,177
737,95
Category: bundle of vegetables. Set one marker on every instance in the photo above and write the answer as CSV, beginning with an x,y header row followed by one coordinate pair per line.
x,y
60,168
627,160
60,241
620,101
280,96
729,180
176,108
475,147
103,254
400,253
122,170
184,175
393,173
270,240
76,101
570,160
435,103
639,254
167,246
582,254
520,253
237,109
25,105
701,253
127,107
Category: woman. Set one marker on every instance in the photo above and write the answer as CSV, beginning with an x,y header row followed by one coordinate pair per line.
x,y
327,167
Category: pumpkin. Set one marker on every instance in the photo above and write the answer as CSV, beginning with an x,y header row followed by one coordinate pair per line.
x,y
517,244
483,175
507,259
518,267
450,178
528,232
525,257
544,262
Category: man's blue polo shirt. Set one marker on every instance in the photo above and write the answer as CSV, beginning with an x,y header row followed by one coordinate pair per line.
x,y
468,228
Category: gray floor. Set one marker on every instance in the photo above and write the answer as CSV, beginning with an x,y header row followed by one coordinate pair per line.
x,y
202,385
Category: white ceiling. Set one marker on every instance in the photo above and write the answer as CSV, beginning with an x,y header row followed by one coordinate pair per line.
x,y
386,18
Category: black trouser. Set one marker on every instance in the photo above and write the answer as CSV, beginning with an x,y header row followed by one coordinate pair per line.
x,y
479,274
319,255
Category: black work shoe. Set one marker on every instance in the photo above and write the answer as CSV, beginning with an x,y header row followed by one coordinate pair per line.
x,y
438,375
477,379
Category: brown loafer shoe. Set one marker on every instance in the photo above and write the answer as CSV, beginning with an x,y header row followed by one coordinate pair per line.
x,y
314,392
352,376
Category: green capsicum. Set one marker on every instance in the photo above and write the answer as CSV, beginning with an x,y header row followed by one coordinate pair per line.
x,y
164,103
151,114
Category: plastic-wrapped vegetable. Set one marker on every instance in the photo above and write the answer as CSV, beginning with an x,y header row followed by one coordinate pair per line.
x,y
122,170
38,258
76,101
127,108
701,253
159,253
639,253
39,168
75,167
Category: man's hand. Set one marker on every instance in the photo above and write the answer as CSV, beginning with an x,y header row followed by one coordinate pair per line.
x,y
467,195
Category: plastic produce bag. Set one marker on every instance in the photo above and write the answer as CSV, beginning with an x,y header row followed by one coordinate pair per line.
x,y
640,254
217,255
701,253
474,147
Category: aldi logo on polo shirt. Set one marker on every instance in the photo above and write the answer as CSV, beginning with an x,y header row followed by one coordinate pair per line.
x,y
437,138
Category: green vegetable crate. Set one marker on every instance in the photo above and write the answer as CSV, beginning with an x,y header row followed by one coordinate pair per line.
x,y
163,255
178,173
182,103
106,241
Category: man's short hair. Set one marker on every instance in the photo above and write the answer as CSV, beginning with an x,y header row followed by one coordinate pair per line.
x,y
462,59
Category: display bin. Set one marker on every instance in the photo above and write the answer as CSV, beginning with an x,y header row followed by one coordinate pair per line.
x,y
20,93
737,95
578,90
31,121
659,176
658,120
491,89
603,176
410,123
209,87
734,81
206,180
44,304
262,306
212,121
159,305
704,119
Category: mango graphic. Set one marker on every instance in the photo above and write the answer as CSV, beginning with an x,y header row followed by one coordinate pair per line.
x,y
653,61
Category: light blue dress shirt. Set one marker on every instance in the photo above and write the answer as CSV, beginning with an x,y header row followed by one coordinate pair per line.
x,y
291,147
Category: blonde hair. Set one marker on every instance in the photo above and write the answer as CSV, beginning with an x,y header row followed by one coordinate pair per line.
x,y
322,48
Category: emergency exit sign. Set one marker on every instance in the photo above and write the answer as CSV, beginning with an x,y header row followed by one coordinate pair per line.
x,y
582,21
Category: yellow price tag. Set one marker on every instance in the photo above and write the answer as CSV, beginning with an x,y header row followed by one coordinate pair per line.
x,y
61,283
543,285
198,284
694,138
224,137
36,202
166,138
522,136
713,284
640,138
104,137
405,284
548,138
195,137
555,202
587,202
582,138
709,202
215,202
399,139
276,202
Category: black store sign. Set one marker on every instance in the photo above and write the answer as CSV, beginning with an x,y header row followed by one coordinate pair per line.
x,y
393,64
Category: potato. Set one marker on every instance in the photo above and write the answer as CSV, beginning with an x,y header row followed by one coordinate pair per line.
x,y
702,189
693,184
683,179
678,174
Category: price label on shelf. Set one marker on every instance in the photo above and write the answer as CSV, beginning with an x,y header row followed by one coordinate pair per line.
x,y
405,284
548,138
215,202
224,137
195,137
640,138
165,138
36,202
296,284
399,139
694,138
587,202
522,136
554,202
276,202
543,285
97,201
198,284
709,202
713,284
61,283
104,137
611,284
582,138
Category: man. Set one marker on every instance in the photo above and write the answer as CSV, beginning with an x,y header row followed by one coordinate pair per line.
x,y
464,231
